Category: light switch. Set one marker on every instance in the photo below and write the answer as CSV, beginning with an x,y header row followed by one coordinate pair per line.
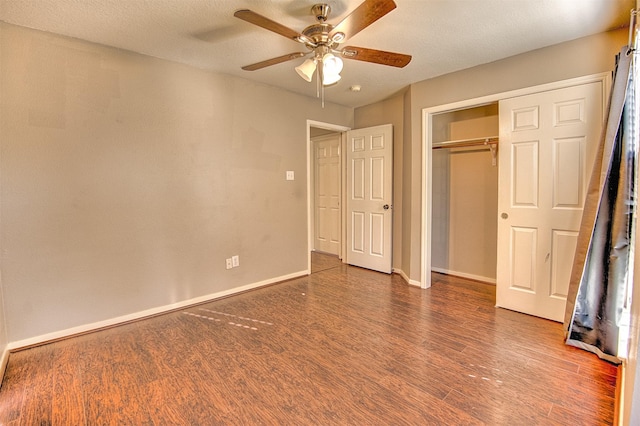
x,y
290,175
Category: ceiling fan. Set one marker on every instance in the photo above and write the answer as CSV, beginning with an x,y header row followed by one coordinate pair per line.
x,y
323,41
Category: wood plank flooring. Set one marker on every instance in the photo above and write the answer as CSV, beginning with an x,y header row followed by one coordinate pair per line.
x,y
342,346
321,261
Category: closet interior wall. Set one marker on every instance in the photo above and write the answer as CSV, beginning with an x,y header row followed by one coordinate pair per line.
x,y
465,195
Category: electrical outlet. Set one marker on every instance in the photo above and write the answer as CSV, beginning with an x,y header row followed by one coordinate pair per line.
x,y
290,175
235,261
229,263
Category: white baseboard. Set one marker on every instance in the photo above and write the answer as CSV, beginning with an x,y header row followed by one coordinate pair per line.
x,y
405,277
464,275
3,363
12,346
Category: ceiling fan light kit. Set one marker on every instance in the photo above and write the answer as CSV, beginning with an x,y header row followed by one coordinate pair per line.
x,y
323,39
330,80
331,68
307,69
332,64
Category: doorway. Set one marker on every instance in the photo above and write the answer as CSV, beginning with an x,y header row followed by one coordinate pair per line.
x,y
367,200
315,130
465,192
326,179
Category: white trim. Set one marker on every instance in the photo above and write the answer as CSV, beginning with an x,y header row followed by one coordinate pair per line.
x,y
621,387
327,126
405,277
425,217
487,280
427,113
339,136
343,198
146,313
3,363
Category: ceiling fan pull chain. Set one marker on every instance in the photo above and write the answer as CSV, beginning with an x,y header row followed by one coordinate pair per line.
x,y
317,81
321,80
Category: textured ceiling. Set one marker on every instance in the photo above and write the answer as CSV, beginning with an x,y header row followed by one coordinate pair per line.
x,y
442,35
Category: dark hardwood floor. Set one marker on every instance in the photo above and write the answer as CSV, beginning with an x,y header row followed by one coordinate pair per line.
x,y
322,261
341,346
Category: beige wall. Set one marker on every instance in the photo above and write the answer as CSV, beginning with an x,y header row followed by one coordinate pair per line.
x,y
473,212
585,56
126,181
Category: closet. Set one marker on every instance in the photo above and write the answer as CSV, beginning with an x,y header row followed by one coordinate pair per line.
x,y
514,223
465,192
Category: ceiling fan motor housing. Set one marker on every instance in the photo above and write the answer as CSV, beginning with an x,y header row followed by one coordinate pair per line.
x,y
319,33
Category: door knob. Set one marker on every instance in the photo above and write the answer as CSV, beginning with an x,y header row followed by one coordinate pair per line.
x,y
504,216
386,207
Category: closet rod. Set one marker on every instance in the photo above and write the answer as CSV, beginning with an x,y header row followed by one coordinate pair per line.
x,y
466,142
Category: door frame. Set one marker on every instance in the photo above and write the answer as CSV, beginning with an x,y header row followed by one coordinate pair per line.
x,y
310,191
314,170
427,143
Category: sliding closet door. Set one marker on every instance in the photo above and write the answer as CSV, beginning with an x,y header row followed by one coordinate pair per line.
x,y
547,147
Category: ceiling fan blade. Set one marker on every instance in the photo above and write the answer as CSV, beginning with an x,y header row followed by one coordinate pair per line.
x,y
363,16
273,61
266,23
393,59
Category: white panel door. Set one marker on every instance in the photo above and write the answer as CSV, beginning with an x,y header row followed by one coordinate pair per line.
x,y
369,197
547,147
327,218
